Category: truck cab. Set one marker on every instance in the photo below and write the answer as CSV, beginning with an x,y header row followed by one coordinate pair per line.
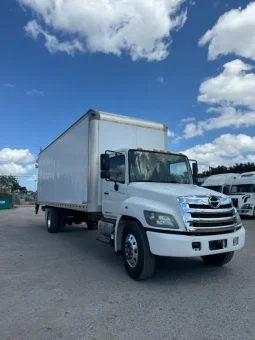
x,y
220,183
149,201
243,194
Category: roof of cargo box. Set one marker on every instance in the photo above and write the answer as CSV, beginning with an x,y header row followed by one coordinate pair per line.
x,y
100,115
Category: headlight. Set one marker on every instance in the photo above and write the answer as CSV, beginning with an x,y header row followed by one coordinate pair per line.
x,y
156,219
247,206
238,218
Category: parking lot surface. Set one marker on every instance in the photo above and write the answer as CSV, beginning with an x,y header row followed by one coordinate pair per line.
x,y
70,286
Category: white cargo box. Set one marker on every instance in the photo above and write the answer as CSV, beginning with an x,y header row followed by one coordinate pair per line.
x,y
69,168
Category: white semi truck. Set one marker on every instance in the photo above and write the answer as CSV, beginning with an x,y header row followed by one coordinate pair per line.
x,y
115,174
220,183
243,193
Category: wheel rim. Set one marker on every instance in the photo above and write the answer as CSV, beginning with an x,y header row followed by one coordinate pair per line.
x,y
48,221
131,250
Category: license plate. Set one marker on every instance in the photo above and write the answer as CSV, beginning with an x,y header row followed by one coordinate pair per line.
x,y
217,245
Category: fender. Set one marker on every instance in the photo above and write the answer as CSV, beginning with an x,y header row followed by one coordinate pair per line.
x,y
133,208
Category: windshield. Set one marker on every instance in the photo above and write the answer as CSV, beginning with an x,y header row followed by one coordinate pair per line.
x,y
147,166
217,188
243,188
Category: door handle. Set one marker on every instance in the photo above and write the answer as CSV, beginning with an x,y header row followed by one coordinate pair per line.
x,y
106,193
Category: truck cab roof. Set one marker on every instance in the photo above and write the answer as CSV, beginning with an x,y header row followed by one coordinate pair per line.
x,y
221,179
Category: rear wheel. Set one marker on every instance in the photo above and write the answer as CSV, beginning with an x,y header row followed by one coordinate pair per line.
x,y
52,220
218,259
138,259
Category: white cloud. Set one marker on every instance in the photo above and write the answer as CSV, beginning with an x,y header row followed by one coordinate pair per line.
x,y
32,178
161,79
14,169
16,156
30,167
51,42
192,130
170,133
251,158
229,117
34,92
140,28
234,33
225,150
234,86
9,85
177,140
188,119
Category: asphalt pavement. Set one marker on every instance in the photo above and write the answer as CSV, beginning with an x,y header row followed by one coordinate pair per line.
x,y
70,286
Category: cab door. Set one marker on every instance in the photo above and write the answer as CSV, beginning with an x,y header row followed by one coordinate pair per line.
x,y
114,189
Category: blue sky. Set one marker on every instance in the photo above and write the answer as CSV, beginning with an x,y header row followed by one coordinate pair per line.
x,y
44,89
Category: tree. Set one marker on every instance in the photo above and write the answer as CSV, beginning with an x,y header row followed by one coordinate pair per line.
x,y
237,168
11,184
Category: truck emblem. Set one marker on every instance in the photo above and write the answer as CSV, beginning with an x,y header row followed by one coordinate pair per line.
x,y
214,202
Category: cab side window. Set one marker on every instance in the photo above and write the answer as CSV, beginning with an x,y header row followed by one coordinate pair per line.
x,y
117,168
226,190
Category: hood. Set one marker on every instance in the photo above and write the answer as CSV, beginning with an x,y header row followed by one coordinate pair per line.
x,y
149,189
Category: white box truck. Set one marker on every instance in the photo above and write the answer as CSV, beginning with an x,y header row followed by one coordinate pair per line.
x,y
220,183
115,174
243,193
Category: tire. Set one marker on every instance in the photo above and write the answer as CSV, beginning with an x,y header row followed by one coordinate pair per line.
x,y
135,245
92,225
218,259
52,220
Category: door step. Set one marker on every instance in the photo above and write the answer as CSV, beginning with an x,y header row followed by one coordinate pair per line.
x,y
103,239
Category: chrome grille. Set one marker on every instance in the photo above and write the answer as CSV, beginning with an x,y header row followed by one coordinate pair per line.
x,y
204,206
229,213
200,217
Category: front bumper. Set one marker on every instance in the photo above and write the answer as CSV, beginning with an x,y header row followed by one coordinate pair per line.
x,y
163,244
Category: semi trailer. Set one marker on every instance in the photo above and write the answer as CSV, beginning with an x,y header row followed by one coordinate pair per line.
x,y
115,173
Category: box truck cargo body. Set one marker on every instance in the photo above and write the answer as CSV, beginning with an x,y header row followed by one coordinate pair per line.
x,y
116,174
69,169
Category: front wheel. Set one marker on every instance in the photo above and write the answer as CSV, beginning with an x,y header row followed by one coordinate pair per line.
x,y
218,259
138,259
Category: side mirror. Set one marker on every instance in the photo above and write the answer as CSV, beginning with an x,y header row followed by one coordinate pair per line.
x,y
105,162
194,169
105,174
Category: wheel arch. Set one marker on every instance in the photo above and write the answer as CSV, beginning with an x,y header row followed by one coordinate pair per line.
x,y
120,225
